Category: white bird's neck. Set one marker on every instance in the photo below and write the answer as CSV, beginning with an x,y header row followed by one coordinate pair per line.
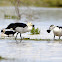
x,y
56,29
29,27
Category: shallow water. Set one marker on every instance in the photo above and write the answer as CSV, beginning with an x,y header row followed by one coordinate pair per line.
x,y
30,50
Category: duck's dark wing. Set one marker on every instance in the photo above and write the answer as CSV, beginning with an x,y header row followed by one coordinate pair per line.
x,y
14,25
9,32
59,27
20,25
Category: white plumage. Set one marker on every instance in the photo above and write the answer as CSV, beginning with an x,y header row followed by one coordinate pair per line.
x,y
19,28
56,30
24,30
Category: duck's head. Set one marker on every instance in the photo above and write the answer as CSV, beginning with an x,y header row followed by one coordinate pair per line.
x,y
50,28
30,24
3,31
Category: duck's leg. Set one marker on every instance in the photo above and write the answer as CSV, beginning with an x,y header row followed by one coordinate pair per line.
x,y
21,37
16,36
59,37
8,35
54,36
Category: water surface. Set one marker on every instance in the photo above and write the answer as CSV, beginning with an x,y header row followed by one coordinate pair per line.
x,y
30,50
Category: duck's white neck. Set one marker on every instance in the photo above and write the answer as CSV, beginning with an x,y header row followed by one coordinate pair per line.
x,y
56,29
29,27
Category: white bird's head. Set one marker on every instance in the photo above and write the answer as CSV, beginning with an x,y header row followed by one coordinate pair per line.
x,y
30,25
51,28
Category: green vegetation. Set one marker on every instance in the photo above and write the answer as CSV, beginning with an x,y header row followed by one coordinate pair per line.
x,y
53,3
55,40
1,58
36,39
10,17
35,31
38,3
9,38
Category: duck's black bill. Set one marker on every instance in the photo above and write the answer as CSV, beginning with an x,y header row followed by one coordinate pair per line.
x,y
1,30
48,31
33,25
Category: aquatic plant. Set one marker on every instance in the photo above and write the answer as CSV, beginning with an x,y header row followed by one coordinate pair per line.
x,y
10,17
1,58
35,31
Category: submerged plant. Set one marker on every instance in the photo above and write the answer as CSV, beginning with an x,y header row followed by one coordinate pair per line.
x,y
35,31
1,58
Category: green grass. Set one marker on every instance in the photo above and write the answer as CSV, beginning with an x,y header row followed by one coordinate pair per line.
x,y
37,39
55,40
10,17
9,38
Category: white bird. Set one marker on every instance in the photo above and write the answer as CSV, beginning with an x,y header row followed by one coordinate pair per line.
x,y
24,29
56,30
20,28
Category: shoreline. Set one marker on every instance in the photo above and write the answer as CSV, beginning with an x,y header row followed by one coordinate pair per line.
x,y
13,38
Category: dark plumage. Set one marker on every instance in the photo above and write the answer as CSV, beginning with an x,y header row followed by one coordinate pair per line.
x,y
59,27
57,30
8,32
19,28
14,25
48,31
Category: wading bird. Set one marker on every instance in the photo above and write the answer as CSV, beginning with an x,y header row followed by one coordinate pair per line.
x,y
8,32
20,28
57,30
